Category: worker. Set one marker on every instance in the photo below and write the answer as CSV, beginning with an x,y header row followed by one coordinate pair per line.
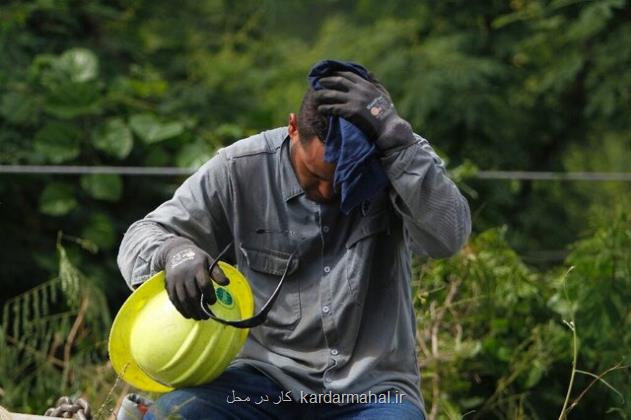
x,y
337,201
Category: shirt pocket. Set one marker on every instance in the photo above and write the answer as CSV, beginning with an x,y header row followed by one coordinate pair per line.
x,y
367,227
264,268
360,251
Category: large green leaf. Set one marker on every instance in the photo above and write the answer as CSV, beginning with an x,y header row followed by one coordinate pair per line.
x,y
114,138
72,99
229,131
100,230
194,155
151,130
78,64
57,199
106,187
58,142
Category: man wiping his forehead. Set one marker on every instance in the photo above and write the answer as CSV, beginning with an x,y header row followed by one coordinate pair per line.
x,y
337,202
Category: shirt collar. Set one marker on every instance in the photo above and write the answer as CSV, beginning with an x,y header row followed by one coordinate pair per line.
x,y
288,179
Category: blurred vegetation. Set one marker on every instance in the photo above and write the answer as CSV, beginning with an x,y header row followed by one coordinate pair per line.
x,y
498,85
52,341
494,336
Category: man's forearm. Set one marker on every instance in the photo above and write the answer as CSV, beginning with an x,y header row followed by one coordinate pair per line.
x,y
435,214
138,250
195,212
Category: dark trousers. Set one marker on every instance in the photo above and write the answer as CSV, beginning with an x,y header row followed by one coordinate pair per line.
x,y
243,393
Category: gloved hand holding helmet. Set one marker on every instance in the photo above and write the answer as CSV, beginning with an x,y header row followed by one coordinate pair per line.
x,y
187,276
154,348
368,105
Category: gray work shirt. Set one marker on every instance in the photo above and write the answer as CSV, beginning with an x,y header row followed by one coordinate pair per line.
x,y
344,321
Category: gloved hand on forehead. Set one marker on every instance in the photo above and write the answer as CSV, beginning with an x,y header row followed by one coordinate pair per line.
x,y
187,276
367,104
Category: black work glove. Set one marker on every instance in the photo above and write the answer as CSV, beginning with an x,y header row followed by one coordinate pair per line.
x,y
187,277
368,105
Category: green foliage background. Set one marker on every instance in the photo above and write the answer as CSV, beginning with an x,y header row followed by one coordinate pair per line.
x,y
494,85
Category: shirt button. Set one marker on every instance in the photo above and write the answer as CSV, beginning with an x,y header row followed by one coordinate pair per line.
x,y
334,352
325,229
325,309
327,269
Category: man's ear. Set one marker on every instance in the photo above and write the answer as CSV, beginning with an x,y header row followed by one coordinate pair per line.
x,y
292,126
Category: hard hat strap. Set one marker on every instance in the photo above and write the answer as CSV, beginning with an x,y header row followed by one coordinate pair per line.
x,y
258,318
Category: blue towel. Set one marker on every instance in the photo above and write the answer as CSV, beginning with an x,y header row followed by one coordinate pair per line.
x,y
359,174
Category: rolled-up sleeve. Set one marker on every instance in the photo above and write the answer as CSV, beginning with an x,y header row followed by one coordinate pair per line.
x,y
435,214
197,211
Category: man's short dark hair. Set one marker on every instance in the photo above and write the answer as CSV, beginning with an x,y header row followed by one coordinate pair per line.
x,y
310,122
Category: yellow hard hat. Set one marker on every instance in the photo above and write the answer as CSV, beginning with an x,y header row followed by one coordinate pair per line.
x,y
154,348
